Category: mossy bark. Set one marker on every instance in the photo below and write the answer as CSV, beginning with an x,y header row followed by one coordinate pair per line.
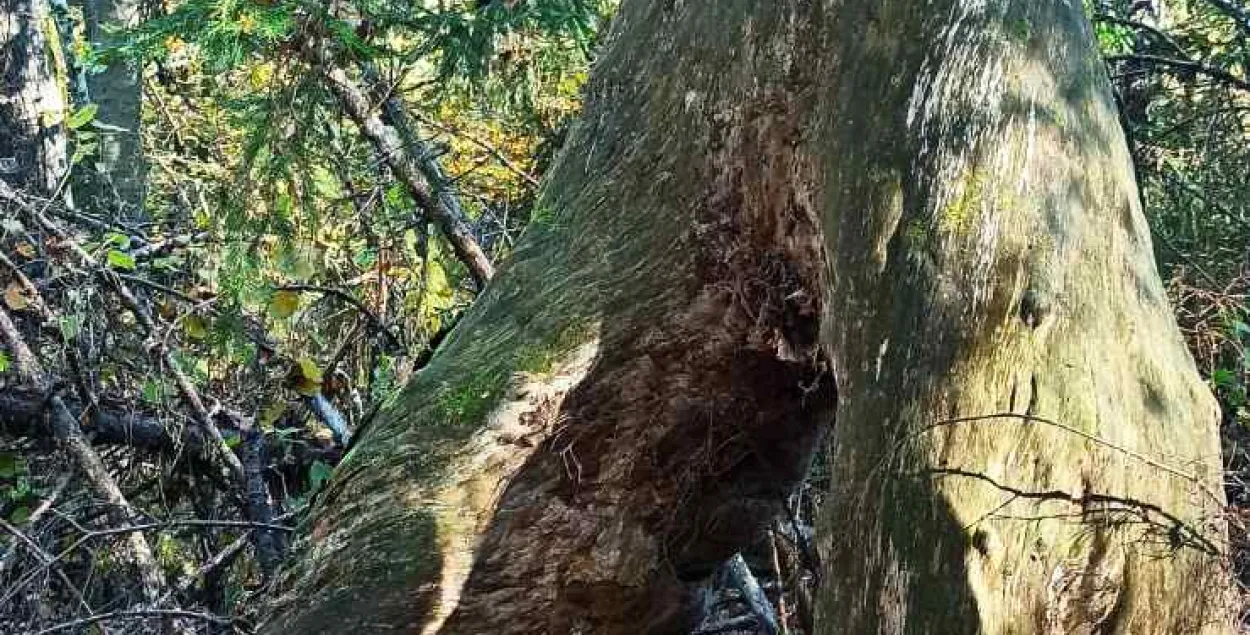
x,y
632,394
1024,445
32,99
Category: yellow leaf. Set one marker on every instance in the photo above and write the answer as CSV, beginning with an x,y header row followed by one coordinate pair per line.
x,y
308,369
272,413
15,297
308,379
26,249
195,327
284,304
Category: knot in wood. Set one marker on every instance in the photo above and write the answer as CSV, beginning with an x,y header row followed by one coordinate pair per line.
x,y
1035,306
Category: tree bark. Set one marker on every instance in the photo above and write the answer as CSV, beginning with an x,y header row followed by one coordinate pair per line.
x,y
633,394
115,184
1024,444
32,100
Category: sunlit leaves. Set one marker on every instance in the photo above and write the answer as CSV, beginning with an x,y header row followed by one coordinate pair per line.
x,y
306,377
271,414
121,260
1114,39
82,116
284,304
195,327
15,297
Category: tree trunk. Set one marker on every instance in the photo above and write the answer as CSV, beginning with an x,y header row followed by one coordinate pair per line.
x,y
628,402
1024,444
115,184
32,100
634,393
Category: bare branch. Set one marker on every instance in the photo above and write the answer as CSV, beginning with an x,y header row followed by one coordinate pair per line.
x,y
66,429
388,144
374,321
141,614
1176,66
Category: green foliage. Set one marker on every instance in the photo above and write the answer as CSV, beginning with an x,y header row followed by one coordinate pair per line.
x,y
121,260
1189,134
318,474
16,491
258,181
82,116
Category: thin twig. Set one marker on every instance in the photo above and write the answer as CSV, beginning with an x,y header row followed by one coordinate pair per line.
x,y
781,584
488,147
1176,66
69,433
374,321
45,558
140,614
1027,418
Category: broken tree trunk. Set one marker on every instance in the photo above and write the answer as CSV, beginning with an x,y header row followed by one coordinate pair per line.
x,y
1023,443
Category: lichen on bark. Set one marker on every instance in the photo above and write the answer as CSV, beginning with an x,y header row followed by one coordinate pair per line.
x,y
32,103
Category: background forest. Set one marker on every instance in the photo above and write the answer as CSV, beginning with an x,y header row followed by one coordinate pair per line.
x,y
273,211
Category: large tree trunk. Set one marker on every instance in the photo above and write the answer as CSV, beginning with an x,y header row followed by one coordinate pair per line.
x,y
632,395
1024,444
32,99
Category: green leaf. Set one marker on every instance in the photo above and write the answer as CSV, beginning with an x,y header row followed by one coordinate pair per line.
x,y
5,363
1224,378
195,327
20,515
70,326
308,377
83,149
318,474
8,465
153,391
121,260
365,258
271,414
82,116
284,304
